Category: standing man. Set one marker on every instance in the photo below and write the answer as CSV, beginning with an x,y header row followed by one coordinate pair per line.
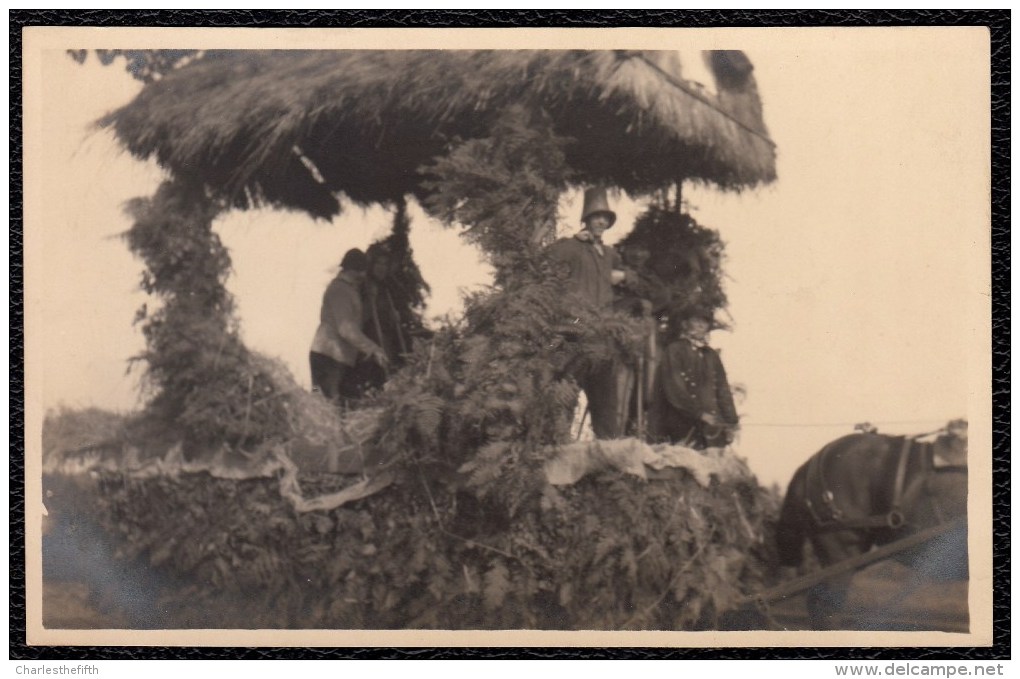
x,y
591,268
692,403
339,339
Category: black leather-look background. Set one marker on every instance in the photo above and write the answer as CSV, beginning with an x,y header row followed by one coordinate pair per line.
x,y
998,22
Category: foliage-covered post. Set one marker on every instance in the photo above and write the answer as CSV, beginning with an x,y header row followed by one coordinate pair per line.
x,y
206,386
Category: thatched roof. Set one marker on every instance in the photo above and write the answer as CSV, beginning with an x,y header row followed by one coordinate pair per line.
x,y
292,128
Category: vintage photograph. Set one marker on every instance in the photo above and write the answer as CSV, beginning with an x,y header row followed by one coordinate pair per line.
x,y
546,337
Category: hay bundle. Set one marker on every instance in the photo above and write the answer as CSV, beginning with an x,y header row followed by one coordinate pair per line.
x,y
309,415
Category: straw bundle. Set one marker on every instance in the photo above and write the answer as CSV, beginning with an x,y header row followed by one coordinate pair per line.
x,y
292,128
318,432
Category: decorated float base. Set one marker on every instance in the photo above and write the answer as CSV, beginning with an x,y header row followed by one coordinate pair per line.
x,y
610,535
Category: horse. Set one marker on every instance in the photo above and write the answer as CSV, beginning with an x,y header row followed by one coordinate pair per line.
x,y
868,489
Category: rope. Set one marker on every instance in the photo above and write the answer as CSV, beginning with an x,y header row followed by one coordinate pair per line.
x,y
675,82
744,425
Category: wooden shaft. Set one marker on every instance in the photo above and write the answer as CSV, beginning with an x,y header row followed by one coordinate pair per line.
x,y
396,321
853,563
640,398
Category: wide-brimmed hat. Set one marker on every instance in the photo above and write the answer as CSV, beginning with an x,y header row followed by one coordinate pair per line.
x,y
595,202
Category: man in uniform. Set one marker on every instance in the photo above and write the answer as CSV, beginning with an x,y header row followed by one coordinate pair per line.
x,y
692,403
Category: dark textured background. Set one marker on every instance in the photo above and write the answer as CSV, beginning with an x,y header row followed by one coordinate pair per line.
x,y
998,21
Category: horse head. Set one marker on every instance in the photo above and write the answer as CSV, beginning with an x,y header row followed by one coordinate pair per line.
x,y
950,446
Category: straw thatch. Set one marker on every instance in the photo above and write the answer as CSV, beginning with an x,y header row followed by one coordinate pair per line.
x,y
292,128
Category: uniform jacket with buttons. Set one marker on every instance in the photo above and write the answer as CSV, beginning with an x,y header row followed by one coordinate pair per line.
x,y
692,380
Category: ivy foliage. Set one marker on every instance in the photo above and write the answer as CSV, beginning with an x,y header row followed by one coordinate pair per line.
x,y
410,286
484,401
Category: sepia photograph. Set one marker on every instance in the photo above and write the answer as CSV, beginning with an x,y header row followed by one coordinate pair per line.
x,y
508,337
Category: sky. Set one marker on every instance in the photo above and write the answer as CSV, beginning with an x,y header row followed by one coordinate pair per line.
x,y
857,281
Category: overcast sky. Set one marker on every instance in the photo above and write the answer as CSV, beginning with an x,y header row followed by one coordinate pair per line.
x,y
857,281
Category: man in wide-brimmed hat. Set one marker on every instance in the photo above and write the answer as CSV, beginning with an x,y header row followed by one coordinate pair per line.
x,y
339,339
590,269
692,403
593,266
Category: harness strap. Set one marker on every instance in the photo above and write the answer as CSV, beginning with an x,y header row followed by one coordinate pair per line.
x,y
829,516
814,478
895,516
833,519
